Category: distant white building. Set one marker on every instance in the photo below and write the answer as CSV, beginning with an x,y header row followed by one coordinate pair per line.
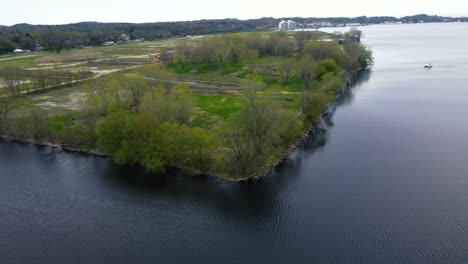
x,y
287,25
291,25
283,25
38,48
352,24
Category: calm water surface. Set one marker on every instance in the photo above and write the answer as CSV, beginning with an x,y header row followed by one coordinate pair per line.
x,y
386,183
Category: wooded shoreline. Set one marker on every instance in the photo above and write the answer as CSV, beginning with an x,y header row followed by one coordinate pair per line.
x,y
278,86
64,146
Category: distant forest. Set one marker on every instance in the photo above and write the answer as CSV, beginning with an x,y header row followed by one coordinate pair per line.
x,y
58,37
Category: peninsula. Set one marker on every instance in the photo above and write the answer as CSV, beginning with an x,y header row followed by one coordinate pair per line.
x,y
228,105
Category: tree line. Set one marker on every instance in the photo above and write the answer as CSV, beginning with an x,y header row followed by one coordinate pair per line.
x,y
16,82
57,37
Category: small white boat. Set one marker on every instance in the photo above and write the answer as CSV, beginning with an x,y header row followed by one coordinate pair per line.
x,y
428,65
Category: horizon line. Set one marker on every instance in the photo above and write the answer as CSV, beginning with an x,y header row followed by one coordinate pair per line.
x,y
194,20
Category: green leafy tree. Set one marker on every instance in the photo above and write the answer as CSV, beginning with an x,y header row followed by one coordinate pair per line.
x,y
366,58
327,66
6,46
180,145
123,135
314,103
331,82
55,40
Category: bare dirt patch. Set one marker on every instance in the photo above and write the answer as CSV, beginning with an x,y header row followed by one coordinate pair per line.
x,y
72,101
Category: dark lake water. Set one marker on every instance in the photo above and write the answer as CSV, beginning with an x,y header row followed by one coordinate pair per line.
x,y
386,183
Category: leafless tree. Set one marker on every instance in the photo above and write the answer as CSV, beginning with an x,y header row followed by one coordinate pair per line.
x,y
135,85
4,104
38,118
286,69
13,78
166,55
302,37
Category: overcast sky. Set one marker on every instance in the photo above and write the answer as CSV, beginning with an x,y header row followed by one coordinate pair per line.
x,y
67,11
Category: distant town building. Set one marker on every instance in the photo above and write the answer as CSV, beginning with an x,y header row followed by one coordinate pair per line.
x,y
38,47
124,37
287,25
353,24
291,25
283,25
